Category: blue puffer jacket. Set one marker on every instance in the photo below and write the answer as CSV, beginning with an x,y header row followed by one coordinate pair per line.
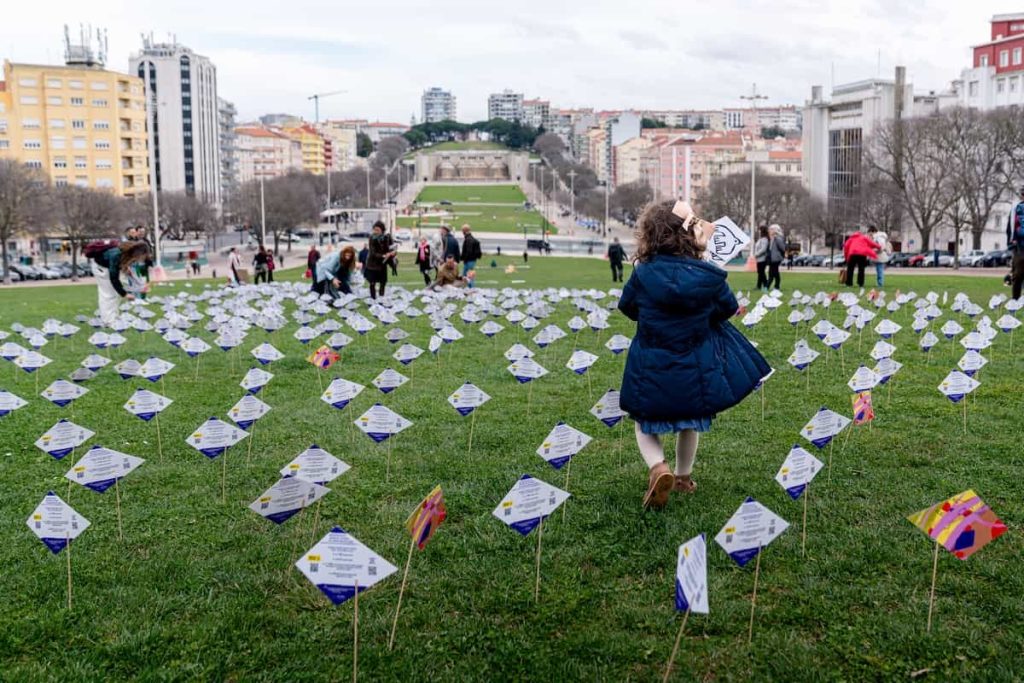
x,y
686,360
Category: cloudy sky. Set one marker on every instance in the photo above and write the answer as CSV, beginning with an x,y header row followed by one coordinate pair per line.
x,y
609,54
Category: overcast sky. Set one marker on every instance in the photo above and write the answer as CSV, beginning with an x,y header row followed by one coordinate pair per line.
x,y
607,54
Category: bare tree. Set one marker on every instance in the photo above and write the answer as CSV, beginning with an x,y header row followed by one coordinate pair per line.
x,y
628,200
291,200
23,204
880,201
778,199
912,156
548,145
82,214
182,214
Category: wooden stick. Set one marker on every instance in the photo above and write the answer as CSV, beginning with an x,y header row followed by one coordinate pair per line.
x,y
401,592
67,542
763,400
224,477
117,497
529,398
965,414
536,585
159,439
675,648
831,450
568,465
316,521
472,424
590,385
803,530
355,636
931,596
252,437
753,598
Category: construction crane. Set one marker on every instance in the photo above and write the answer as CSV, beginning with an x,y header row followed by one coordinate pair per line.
x,y
316,100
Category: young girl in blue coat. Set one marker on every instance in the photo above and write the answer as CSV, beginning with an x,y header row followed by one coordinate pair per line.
x,y
687,362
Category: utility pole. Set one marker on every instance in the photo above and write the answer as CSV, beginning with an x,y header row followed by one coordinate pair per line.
x,y
753,98
572,194
263,216
606,230
151,140
367,184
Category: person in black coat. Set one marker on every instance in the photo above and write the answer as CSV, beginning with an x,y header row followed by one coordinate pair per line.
x,y
616,255
450,245
423,260
471,251
686,362
380,250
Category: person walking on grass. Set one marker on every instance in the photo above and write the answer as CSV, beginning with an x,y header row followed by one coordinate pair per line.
x,y
379,252
857,249
687,363
259,265
761,258
235,263
1015,243
776,255
449,245
471,252
616,255
311,258
109,264
423,260
884,253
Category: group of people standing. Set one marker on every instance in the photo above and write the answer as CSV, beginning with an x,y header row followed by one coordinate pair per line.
x,y
332,274
860,248
769,253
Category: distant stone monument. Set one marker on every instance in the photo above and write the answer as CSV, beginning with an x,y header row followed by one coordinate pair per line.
x,y
472,166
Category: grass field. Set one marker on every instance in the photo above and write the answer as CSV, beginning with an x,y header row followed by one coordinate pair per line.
x,y
201,590
487,208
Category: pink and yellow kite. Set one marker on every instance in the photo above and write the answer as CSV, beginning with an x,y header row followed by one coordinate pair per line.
x,y
427,516
324,357
963,524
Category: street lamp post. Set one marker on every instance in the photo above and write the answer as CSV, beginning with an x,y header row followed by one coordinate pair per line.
x,y
753,98
263,216
606,208
572,194
367,185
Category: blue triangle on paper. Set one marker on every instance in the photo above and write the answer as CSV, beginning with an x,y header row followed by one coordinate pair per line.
x,y
212,453
612,421
337,530
378,436
124,376
4,412
525,526
145,417
681,604
386,390
283,516
60,452
154,378
464,411
55,544
580,371
558,463
340,404
191,354
245,424
822,442
801,366
796,491
102,485
62,402
256,390
969,373
406,361
956,398
525,476
617,351
338,594
523,380
741,557
263,361
30,370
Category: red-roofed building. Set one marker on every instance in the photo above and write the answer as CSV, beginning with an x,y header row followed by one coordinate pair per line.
x,y
996,76
265,153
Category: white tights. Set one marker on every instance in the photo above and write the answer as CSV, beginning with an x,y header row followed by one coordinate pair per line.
x,y
654,454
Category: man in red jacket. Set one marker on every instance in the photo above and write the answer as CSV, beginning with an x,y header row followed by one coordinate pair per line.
x,y
857,250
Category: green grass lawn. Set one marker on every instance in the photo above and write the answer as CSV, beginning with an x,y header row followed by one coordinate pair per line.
x,y
201,590
475,204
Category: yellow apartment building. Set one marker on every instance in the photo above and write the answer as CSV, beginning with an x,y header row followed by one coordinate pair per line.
x,y
314,153
80,124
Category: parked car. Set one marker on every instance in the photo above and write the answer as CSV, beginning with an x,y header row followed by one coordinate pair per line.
x,y
403,234
971,258
917,260
445,202
837,261
15,275
996,259
539,245
944,260
26,272
358,234
900,259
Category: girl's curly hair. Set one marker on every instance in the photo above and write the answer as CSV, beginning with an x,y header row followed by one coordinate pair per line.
x,y
659,231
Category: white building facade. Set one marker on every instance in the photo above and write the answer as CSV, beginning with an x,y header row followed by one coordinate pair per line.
x,y
181,89
437,105
506,105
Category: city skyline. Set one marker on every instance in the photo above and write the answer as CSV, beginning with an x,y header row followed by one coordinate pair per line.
x,y
610,58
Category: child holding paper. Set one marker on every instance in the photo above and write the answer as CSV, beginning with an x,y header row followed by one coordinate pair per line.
x,y
687,362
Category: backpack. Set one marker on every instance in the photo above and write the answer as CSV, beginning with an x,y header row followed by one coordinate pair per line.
x,y
95,249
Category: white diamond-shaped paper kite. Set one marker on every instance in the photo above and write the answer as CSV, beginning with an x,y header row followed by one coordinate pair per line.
x,y
287,497
561,444
340,392
824,426
255,379
10,402
607,409
407,353
928,341
526,370
305,334
490,328
128,368
56,523
389,380
863,379
887,328
971,362
146,404
882,349
62,392
886,368
951,328
265,353
434,344
580,361
468,398
692,576
797,471
155,368
32,361
338,565
751,528
618,343
528,502
517,352
194,346
956,385
802,356
339,340
100,468
94,362
316,465
214,437
62,438
380,423
248,410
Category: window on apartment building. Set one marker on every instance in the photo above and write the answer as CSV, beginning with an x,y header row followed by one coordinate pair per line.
x,y
103,144
55,100
57,142
34,163
79,143
81,162
28,99
972,89
78,124
104,182
30,124
60,162
98,85
33,144
82,180
1016,55
1000,85
55,123
1013,84
54,83
5,144
101,125
75,84
104,164
1004,58
60,181
99,103
27,82
76,101
983,60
